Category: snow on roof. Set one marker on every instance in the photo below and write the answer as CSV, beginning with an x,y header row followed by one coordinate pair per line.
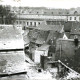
x,y
10,37
65,37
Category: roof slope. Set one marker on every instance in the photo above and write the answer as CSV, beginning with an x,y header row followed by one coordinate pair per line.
x,y
45,27
40,33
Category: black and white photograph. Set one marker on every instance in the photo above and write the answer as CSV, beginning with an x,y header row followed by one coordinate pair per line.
x,y
39,39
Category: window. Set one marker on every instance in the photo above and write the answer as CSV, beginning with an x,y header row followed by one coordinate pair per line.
x,y
31,23
70,18
74,18
38,23
34,23
27,23
17,22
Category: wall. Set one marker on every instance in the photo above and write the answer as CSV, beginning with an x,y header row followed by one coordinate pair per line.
x,y
37,55
66,47
73,18
27,23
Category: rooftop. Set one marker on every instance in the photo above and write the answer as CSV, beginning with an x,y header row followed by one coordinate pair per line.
x,y
10,37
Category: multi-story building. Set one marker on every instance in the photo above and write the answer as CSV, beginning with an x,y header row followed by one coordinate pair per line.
x,y
35,16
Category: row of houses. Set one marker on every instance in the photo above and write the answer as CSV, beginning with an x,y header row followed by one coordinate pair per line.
x,y
29,16
35,20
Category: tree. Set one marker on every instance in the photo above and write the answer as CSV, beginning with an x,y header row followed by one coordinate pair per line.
x,y
6,16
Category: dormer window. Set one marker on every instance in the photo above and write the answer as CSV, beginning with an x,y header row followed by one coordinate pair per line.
x,y
75,12
70,18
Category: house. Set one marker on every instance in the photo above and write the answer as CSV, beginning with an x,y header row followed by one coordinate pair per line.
x,y
74,15
12,57
43,34
42,50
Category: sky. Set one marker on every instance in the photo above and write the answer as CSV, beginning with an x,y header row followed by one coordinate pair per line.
x,y
65,4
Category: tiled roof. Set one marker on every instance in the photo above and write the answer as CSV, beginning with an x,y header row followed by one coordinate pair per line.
x,y
45,27
40,33
38,37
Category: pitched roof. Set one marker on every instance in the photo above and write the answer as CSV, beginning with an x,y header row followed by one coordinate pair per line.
x,y
10,38
38,37
42,32
45,27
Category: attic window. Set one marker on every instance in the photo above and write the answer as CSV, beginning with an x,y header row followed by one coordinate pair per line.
x,y
75,12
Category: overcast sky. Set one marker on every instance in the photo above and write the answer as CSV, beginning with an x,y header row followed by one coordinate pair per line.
x,y
44,3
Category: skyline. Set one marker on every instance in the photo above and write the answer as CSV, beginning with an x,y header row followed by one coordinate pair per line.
x,y
65,4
